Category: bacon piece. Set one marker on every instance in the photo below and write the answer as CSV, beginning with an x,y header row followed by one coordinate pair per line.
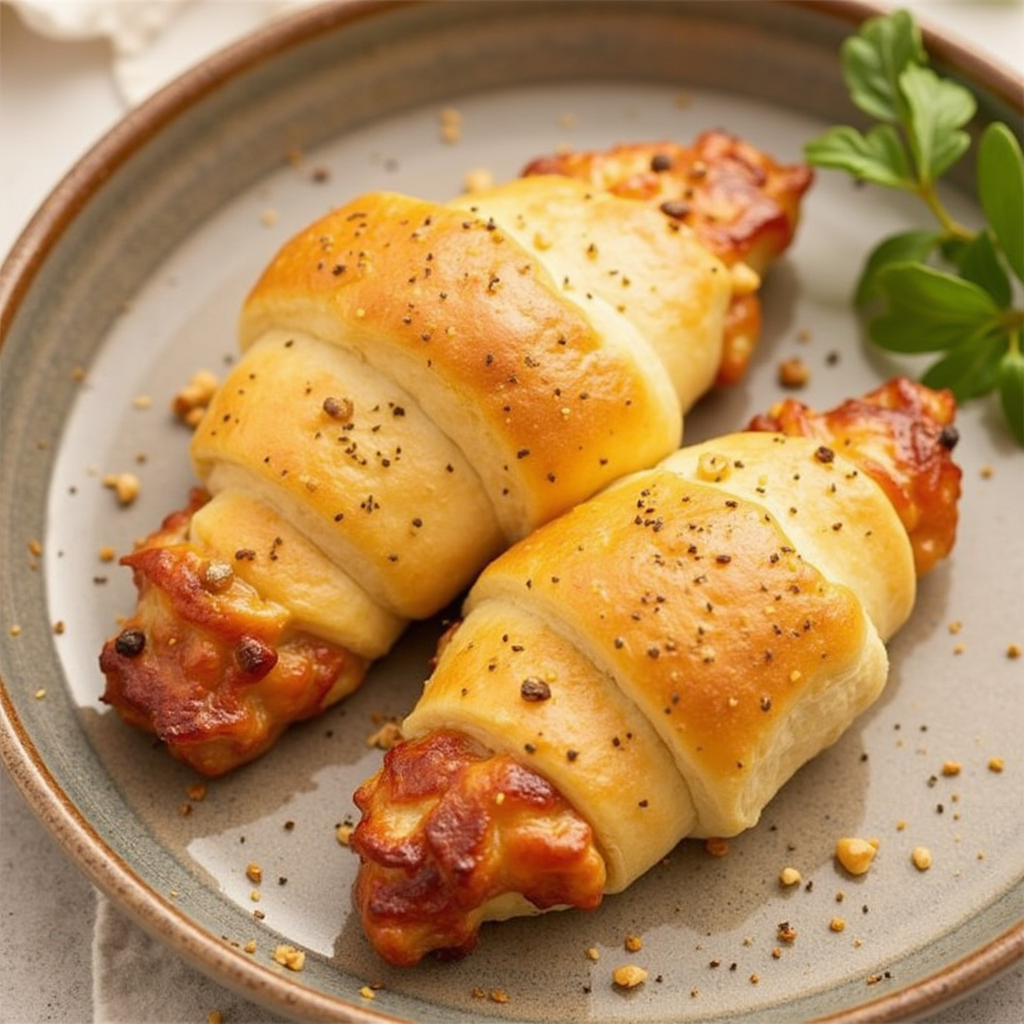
x,y
742,205
207,665
447,830
902,434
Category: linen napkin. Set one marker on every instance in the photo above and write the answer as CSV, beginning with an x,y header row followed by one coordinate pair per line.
x,y
151,41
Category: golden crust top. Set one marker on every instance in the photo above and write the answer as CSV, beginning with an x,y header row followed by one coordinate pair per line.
x,y
700,607
610,251
348,459
543,405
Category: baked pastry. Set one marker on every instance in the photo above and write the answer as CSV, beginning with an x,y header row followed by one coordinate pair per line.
x,y
743,205
421,385
655,664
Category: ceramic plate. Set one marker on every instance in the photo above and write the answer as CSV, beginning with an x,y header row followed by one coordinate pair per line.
x,y
129,280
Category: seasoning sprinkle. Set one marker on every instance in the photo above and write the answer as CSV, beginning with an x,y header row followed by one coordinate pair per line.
x,y
534,690
130,643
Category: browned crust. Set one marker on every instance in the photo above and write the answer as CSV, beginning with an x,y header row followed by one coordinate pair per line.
x,y
215,673
485,826
742,204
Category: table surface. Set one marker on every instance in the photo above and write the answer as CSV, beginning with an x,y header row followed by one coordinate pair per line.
x,y
63,95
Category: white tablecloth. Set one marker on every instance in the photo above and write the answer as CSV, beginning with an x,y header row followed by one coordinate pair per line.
x,y
66,954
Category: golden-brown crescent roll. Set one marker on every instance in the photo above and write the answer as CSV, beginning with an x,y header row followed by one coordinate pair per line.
x,y
421,384
663,657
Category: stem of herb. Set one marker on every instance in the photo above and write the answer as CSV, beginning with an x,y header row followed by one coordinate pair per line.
x,y
952,227
1014,324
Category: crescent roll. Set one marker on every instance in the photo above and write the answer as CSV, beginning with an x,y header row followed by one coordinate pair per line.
x,y
652,665
421,384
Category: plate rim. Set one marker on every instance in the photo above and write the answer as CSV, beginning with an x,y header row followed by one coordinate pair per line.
x,y
155,913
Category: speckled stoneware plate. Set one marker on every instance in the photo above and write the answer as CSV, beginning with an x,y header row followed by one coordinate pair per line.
x,y
129,279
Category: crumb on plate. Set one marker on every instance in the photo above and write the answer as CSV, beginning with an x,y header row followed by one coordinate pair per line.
x,y
856,854
628,976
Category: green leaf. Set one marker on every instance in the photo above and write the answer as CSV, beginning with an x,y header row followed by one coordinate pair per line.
x,y
938,108
874,59
953,249
1001,191
908,246
1011,391
878,156
929,310
968,369
979,263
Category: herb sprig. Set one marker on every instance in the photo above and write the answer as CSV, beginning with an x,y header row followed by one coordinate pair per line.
x,y
947,289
